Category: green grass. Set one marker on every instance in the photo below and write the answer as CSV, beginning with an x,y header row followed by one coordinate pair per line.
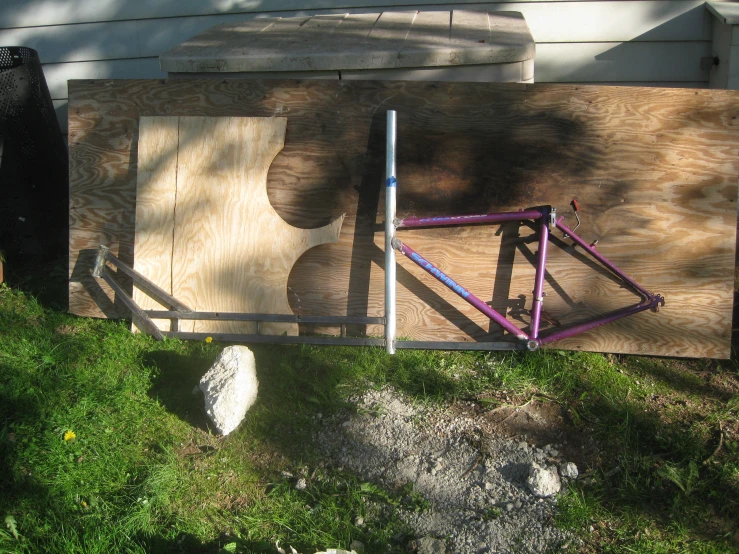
x,y
145,473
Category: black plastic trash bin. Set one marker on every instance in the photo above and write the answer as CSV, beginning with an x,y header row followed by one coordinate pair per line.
x,y
33,163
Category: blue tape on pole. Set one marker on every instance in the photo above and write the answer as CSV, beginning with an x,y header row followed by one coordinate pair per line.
x,y
391,182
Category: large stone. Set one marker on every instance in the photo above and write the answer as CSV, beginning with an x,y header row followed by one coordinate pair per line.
x,y
543,481
230,388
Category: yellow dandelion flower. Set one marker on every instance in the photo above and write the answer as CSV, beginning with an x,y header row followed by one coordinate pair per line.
x,y
69,435
208,339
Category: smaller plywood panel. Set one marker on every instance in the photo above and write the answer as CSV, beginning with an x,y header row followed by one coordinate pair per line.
x,y
205,230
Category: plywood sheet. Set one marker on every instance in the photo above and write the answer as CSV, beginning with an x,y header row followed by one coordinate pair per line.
x,y
156,193
655,171
205,230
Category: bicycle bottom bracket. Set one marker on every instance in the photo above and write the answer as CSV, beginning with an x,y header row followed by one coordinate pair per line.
x,y
532,345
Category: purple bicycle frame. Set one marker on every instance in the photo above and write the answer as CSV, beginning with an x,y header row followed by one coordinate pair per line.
x,y
545,216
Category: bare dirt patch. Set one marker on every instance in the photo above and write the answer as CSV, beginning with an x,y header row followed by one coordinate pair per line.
x,y
470,465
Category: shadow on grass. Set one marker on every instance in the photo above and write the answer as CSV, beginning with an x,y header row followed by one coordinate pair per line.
x,y
44,278
176,384
298,382
186,542
659,465
686,376
15,479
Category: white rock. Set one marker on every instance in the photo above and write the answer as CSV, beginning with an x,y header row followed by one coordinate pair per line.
x,y
568,470
302,484
230,388
543,481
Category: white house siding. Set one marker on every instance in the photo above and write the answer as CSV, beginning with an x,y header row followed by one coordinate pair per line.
x,y
654,42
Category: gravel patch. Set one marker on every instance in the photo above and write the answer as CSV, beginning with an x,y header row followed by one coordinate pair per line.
x,y
475,482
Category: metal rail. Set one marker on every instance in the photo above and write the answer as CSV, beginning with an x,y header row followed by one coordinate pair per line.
x,y
267,318
143,320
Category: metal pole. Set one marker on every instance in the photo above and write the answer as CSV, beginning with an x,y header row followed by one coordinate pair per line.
x,y
541,269
142,321
276,318
390,189
613,316
277,339
156,292
451,220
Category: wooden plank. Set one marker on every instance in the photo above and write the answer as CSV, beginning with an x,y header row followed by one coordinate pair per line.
x,y
604,21
156,192
620,15
205,230
652,84
517,72
651,62
654,169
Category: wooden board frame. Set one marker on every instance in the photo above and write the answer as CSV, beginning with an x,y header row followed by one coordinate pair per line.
x,y
655,171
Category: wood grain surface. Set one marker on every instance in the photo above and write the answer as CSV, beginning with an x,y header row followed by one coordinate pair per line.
x,y
654,170
156,193
205,230
381,40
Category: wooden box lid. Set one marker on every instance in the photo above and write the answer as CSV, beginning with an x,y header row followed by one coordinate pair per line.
x,y
356,41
